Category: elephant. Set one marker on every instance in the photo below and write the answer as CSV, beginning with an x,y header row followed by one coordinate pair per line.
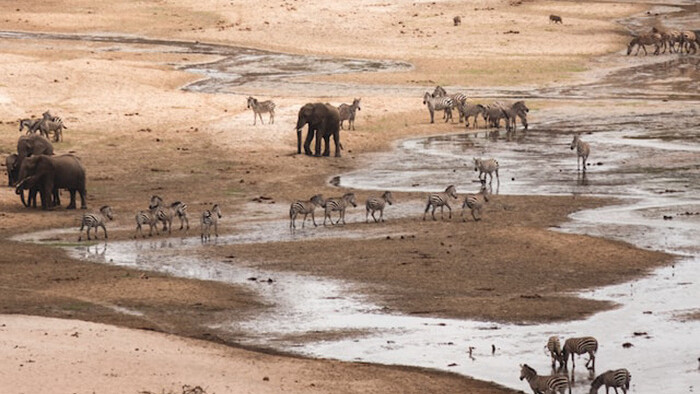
x,y
324,121
12,170
48,174
32,144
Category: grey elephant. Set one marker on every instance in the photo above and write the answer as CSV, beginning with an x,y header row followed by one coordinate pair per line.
x,y
30,145
324,122
48,174
12,171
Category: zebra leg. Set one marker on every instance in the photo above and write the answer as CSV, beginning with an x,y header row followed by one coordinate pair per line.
x,y
313,219
381,215
303,224
367,215
325,216
255,118
432,115
104,229
261,119
449,208
341,124
442,212
427,207
433,212
272,117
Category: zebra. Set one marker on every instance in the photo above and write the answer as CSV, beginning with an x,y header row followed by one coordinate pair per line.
x,y
377,204
582,151
617,378
441,200
468,110
544,384
438,104
146,217
49,123
493,114
581,345
31,124
305,207
157,209
688,41
645,39
95,220
260,107
487,167
457,98
476,202
179,209
347,112
338,204
457,20
554,347
210,217
512,111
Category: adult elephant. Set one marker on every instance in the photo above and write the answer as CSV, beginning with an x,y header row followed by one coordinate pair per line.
x,y
324,122
30,145
47,174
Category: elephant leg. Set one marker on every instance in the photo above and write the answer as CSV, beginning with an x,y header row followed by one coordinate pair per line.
x,y
83,205
336,139
327,141
319,137
72,199
307,142
299,141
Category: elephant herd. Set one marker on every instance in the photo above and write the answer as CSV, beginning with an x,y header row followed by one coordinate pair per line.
x,y
37,170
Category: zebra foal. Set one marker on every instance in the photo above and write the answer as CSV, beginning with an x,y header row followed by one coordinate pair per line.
x,y
338,204
582,345
347,112
165,214
554,347
441,200
476,202
95,220
617,378
261,107
487,167
305,207
377,204
210,218
146,217
544,384
582,151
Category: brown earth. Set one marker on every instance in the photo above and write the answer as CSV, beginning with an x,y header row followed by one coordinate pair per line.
x,y
138,134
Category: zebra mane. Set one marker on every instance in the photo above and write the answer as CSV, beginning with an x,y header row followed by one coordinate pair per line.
x,y
175,203
529,369
104,207
598,381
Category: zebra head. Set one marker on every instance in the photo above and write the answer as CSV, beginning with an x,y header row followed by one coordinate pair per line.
x,y
106,211
350,198
155,202
439,91
575,141
451,191
252,102
426,97
527,372
215,209
388,197
356,103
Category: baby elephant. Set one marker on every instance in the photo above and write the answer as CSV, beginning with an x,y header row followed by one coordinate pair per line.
x,y
555,18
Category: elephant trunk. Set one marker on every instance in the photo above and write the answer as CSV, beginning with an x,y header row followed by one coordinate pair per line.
x,y
19,189
299,129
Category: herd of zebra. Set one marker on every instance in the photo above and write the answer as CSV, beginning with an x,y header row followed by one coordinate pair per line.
x,y
346,111
559,383
663,39
157,212
46,124
492,114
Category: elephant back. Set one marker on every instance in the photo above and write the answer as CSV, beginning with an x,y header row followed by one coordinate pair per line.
x,y
70,172
34,144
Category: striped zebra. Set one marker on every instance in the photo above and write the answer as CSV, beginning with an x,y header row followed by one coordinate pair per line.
x,y
143,218
31,124
544,384
573,346
95,220
338,204
493,113
261,107
617,378
582,151
554,347
210,218
475,202
441,200
512,112
347,112
305,207
487,167
158,210
50,123
467,110
179,209
457,98
377,204
438,104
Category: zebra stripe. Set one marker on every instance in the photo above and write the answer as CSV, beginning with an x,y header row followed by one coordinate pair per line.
x,y
338,204
347,112
210,218
261,107
580,345
146,217
95,220
179,209
50,123
582,151
459,99
487,167
617,378
475,202
544,384
554,347
441,200
377,204
305,207
31,124
438,104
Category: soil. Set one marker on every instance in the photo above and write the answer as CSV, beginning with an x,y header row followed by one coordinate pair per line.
x,y
138,134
